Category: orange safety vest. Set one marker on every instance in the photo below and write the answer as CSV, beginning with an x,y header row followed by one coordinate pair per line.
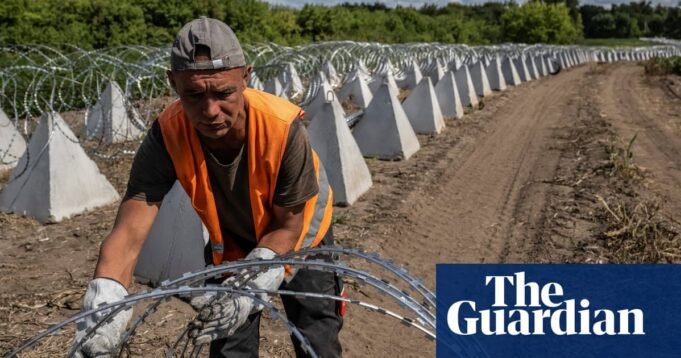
x,y
269,119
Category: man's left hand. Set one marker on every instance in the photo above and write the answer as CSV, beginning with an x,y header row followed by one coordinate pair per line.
x,y
221,315
221,318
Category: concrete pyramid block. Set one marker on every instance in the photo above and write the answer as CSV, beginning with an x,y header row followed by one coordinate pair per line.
x,y
384,131
480,81
437,73
55,179
291,82
531,67
423,109
345,167
569,59
324,94
12,144
356,90
510,74
110,121
380,78
255,83
386,66
550,64
331,74
494,75
521,67
362,70
176,242
456,63
274,86
541,66
465,88
563,61
447,93
412,76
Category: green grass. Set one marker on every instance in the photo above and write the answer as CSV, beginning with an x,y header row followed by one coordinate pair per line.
x,y
615,42
663,66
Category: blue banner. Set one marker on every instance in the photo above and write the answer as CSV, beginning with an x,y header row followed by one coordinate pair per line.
x,y
558,311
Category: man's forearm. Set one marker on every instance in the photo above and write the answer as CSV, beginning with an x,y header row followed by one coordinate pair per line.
x,y
282,241
117,259
119,251
285,229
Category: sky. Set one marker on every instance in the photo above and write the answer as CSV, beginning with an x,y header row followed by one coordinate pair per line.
x,y
418,3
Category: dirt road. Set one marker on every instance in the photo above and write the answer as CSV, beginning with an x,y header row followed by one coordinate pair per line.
x,y
500,190
651,110
485,199
503,184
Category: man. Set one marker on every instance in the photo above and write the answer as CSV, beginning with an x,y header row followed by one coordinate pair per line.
x,y
244,159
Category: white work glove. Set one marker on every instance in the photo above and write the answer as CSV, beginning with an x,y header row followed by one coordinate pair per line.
x,y
220,315
107,338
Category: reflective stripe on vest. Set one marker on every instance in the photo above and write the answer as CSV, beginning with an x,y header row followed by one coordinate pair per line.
x,y
319,210
269,119
217,247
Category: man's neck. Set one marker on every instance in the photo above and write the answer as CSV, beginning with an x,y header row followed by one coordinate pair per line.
x,y
227,147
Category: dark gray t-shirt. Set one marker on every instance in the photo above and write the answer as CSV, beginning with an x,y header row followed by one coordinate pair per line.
x,y
153,174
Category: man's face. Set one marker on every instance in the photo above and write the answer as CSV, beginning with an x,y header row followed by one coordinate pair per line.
x,y
213,100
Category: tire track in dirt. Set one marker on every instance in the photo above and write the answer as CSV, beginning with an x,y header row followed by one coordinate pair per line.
x,y
485,208
635,106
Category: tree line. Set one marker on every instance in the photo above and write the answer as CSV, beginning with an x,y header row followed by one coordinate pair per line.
x,y
93,24
631,20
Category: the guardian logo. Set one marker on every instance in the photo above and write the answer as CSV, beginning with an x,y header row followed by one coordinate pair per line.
x,y
538,310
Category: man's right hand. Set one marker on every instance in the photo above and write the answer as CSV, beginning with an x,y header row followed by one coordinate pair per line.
x,y
106,340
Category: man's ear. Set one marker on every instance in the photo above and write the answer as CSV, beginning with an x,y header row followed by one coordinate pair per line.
x,y
247,75
171,79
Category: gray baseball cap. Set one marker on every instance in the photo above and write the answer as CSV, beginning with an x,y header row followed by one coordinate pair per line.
x,y
225,50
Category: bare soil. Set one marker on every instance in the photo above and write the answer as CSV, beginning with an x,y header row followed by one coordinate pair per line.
x,y
540,174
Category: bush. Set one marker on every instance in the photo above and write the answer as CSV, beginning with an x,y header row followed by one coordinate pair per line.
x,y
663,66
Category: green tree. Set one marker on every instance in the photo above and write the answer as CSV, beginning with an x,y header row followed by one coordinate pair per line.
x,y
602,26
537,22
625,26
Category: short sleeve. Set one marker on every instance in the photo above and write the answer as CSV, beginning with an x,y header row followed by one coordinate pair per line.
x,y
297,179
152,173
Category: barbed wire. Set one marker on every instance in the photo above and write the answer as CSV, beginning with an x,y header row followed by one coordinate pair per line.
x,y
34,78
245,270
38,79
